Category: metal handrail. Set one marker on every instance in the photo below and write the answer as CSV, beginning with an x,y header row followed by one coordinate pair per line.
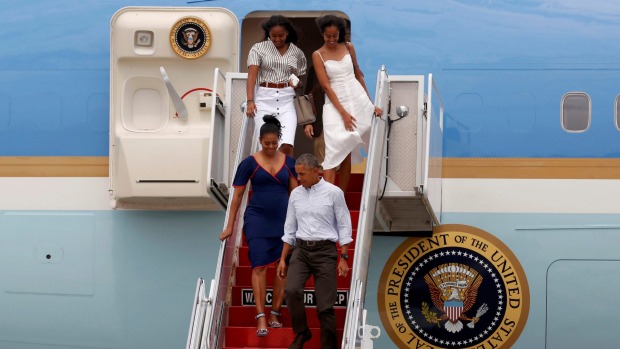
x,y
212,327
197,315
359,270
207,336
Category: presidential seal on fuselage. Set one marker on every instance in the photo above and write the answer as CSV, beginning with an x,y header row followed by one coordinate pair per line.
x,y
460,288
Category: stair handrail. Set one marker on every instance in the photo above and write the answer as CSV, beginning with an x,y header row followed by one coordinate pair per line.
x,y
208,337
222,282
359,270
349,335
198,312
203,311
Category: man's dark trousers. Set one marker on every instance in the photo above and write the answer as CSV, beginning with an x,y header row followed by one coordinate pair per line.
x,y
319,261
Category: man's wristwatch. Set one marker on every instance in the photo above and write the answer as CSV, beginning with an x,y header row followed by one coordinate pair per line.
x,y
344,256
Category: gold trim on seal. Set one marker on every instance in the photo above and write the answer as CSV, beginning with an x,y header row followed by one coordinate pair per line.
x,y
190,37
460,288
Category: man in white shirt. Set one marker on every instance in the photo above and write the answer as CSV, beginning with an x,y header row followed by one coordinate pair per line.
x,y
317,218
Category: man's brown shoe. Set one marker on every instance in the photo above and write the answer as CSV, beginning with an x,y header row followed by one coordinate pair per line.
x,y
302,337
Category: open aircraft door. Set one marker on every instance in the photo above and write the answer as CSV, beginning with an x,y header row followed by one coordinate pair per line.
x,y
409,197
169,146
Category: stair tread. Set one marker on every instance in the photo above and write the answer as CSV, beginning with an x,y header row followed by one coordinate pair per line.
x,y
244,337
244,277
243,316
244,259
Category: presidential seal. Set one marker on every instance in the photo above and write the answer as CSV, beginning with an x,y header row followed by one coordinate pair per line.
x,y
190,37
460,288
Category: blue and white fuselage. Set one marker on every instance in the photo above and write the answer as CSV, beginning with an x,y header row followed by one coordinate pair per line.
x,y
74,272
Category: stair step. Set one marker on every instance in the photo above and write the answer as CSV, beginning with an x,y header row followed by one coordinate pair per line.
x,y
244,260
243,316
245,337
356,183
244,277
353,200
355,215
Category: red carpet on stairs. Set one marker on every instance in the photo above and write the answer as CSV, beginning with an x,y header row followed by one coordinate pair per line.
x,y
240,332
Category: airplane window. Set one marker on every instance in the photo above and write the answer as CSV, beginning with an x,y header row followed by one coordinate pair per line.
x,y
576,111
617,112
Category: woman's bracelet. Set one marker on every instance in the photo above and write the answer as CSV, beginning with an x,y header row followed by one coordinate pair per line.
x,y
250,100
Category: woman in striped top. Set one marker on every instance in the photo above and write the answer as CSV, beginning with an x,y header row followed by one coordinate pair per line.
x,y
270,90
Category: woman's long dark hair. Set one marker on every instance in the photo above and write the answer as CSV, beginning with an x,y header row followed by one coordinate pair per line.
x,y
282,21
331,20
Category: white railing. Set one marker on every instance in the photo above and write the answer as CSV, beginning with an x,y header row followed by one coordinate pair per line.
x,y
433,151
359,270
198,315
209,311
366,333
354,308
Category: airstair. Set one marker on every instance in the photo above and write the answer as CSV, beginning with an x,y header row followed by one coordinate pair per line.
x,y
399,193
175,144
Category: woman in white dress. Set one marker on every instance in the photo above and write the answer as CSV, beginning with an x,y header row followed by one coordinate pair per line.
x,y
348,110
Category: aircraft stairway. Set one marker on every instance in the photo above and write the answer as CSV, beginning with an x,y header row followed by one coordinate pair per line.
x,y
224,317
399,193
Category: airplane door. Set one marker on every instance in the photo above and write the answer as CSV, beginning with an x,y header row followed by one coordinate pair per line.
x,y
167,126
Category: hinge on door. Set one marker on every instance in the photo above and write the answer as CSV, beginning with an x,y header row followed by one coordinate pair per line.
x,y
219,104
425,109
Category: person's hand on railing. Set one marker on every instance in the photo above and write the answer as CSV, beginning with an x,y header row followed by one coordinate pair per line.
x,y
226,233
378,112
250,109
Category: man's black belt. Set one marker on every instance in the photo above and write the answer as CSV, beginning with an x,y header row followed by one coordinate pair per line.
x,y
312,243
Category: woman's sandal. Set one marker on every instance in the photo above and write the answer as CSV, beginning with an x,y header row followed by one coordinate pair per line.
x,y
275,324
261,332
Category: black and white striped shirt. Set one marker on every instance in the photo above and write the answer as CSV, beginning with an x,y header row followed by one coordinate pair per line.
x,y
274,67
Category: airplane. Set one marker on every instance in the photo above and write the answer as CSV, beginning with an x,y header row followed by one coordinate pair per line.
x,y
488,198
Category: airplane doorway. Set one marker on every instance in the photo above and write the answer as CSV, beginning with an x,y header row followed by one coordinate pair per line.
x,y
309,40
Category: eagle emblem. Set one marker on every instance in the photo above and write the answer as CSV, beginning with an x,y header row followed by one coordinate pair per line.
x,y
190,37
453,288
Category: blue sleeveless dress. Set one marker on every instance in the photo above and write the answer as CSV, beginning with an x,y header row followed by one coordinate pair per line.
x,y
265,214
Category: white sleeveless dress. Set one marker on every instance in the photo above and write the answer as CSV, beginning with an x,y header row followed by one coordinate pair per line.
x,y
338,141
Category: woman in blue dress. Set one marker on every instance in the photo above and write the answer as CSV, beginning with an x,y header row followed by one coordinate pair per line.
x,y
272,175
